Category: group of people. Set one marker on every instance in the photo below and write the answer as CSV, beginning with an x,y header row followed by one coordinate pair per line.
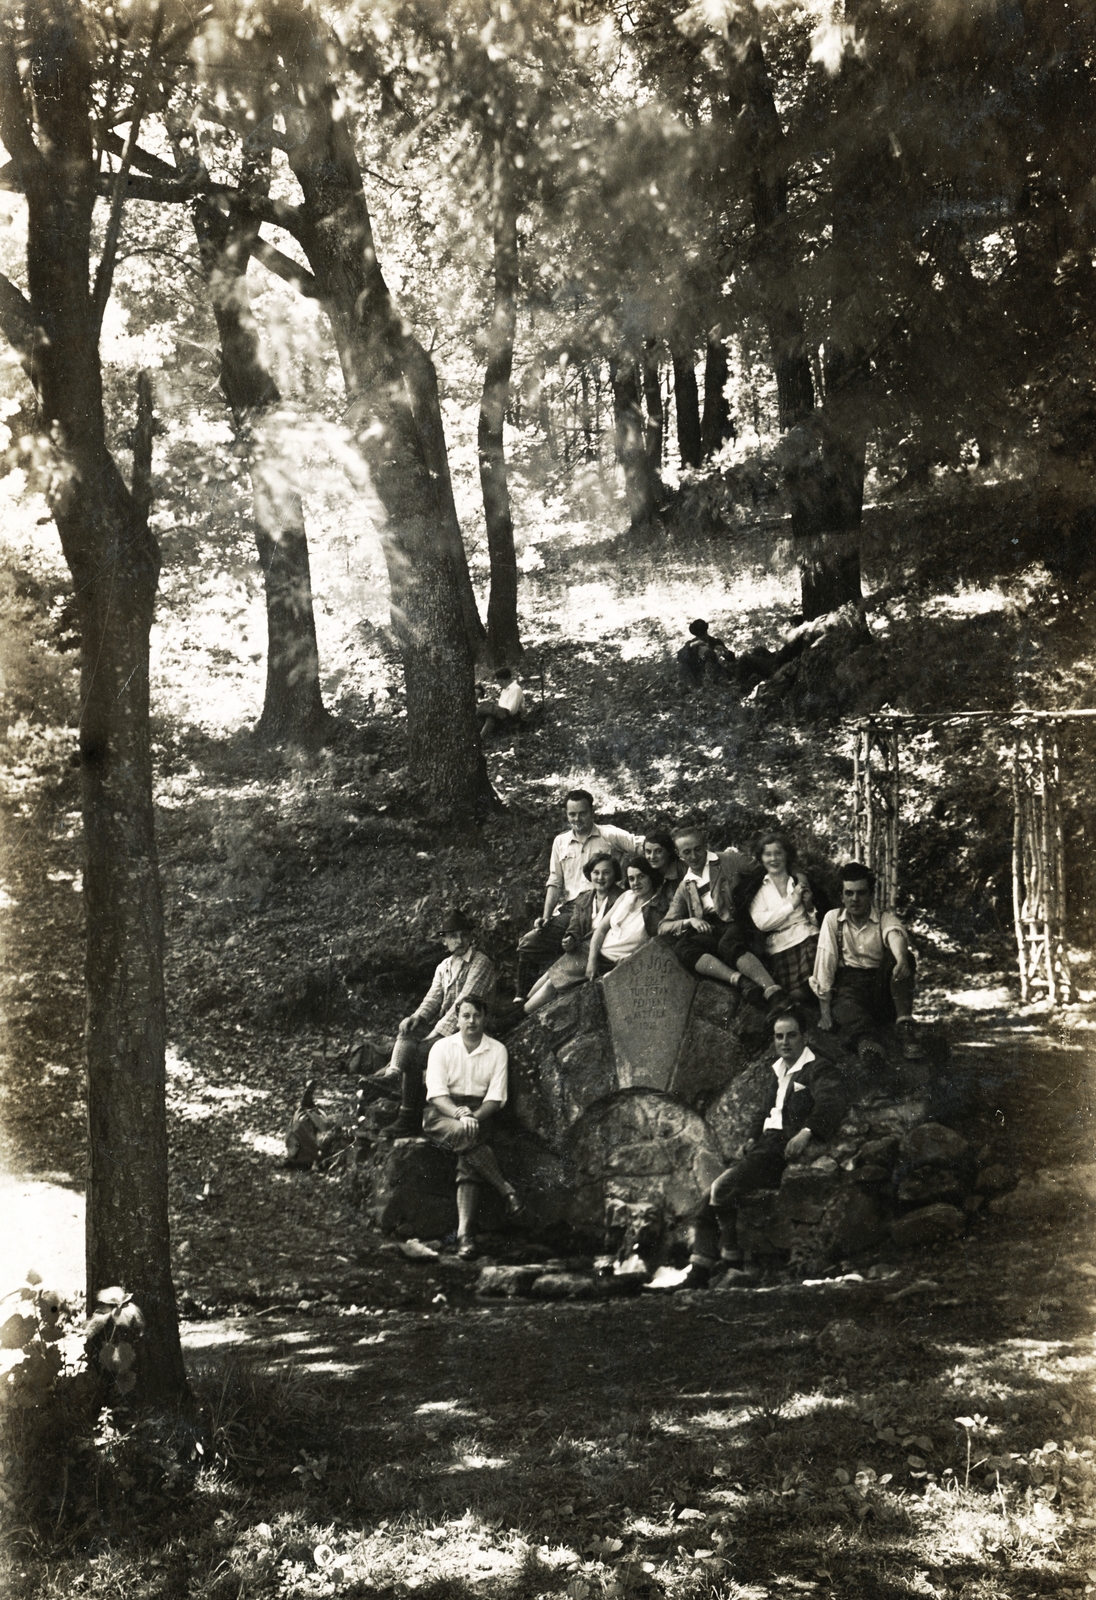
x,y
757,922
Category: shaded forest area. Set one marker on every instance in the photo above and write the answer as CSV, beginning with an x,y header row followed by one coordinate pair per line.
x,y
354,352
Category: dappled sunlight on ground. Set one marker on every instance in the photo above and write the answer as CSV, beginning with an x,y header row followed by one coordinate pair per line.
x,y
43,1231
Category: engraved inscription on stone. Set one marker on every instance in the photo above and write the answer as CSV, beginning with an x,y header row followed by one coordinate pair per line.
x,y
647,998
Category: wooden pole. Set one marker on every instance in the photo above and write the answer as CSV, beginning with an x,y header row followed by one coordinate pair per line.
x,y
896,800
1045,851
857,798
1017,874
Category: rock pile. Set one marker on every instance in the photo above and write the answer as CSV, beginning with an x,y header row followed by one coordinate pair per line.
x,y
628,1097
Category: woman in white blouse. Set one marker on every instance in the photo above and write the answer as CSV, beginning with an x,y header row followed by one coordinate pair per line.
x,y
780,902
632,921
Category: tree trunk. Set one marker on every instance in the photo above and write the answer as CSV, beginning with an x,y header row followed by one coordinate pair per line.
x,y
824,477
386,372
293,709
715,424
639,484
687,406
503,638
652,400
114,562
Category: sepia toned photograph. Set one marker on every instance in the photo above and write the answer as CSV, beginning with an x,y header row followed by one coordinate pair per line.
x,y
547,713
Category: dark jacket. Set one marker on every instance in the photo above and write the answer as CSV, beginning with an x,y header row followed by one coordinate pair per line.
x,y
816,1100
581,925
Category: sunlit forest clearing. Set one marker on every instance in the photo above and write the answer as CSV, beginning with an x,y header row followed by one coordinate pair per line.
x,y
353,354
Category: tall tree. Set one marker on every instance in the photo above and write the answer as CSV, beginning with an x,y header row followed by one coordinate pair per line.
x,y
47,122
293,709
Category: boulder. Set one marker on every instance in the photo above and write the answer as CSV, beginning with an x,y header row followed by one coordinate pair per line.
x,y
995,1179
930,1183
640,1147
732,1114
709,1058
1049,1195
933,1145
929,1225
413,1187
506,1282
805,1192
879,1152
564,1286
855,1221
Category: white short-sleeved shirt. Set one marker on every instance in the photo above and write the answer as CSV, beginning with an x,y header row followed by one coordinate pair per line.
x,y
512,698
451,1069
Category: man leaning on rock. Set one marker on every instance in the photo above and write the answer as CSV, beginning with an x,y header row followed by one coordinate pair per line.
x,y
583,838
803,1105
863,972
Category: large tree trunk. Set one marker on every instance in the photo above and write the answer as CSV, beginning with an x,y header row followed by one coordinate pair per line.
x,y
503,638
114,562
652,400
824,476
715,424
385,372
639,483
293,709
687,406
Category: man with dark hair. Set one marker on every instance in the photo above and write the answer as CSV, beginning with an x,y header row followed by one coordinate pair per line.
x,y
571,850
702,920
505,708
804,1102
465,970
704,653
863,972
465,1087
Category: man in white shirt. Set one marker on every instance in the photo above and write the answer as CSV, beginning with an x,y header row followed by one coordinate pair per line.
x,y
505,708
804,1103
863,972
571,850
466,1082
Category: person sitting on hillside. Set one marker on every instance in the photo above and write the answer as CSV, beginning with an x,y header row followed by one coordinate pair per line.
x,y
864,971
632,921
466,1083
661,852
778,901
604,873
571,851
704,653
701,916
507,706
804,1103
465,970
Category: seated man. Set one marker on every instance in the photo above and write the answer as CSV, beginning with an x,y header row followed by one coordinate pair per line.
x,y
703,653
571,850
863,972
465,1087
505,708
701,919
804,1102
465,970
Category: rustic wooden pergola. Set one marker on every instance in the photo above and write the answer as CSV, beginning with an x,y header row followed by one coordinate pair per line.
x,y
1033,740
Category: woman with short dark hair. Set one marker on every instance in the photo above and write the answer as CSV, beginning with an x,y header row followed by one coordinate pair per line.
x,y
604,875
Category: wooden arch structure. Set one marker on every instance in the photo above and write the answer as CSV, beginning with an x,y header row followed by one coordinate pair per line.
x,y
1033,742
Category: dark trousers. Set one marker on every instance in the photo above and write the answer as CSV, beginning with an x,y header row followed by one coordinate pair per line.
x,y
715,1230
866,1000
538,948
721,941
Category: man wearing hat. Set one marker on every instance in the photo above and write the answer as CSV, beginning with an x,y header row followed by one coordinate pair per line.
x,y
465,970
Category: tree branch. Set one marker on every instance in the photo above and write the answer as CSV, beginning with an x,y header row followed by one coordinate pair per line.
x,y
15,128
283,266
17,324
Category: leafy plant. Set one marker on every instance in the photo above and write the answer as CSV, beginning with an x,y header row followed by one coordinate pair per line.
x,y
119,1320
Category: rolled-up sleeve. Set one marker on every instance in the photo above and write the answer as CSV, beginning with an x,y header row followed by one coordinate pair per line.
x,y
555,866
825,961
431,1005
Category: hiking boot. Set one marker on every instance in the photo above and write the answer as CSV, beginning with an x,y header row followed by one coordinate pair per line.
x,y
466,1249
408,1125
906,1030
872,1057
775,1003
384,1085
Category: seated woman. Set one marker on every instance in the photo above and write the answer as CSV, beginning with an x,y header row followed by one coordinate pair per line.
x,y
778,900
632,921
661,852
604,874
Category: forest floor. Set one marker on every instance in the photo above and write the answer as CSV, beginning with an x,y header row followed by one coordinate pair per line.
x,y
378,1429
